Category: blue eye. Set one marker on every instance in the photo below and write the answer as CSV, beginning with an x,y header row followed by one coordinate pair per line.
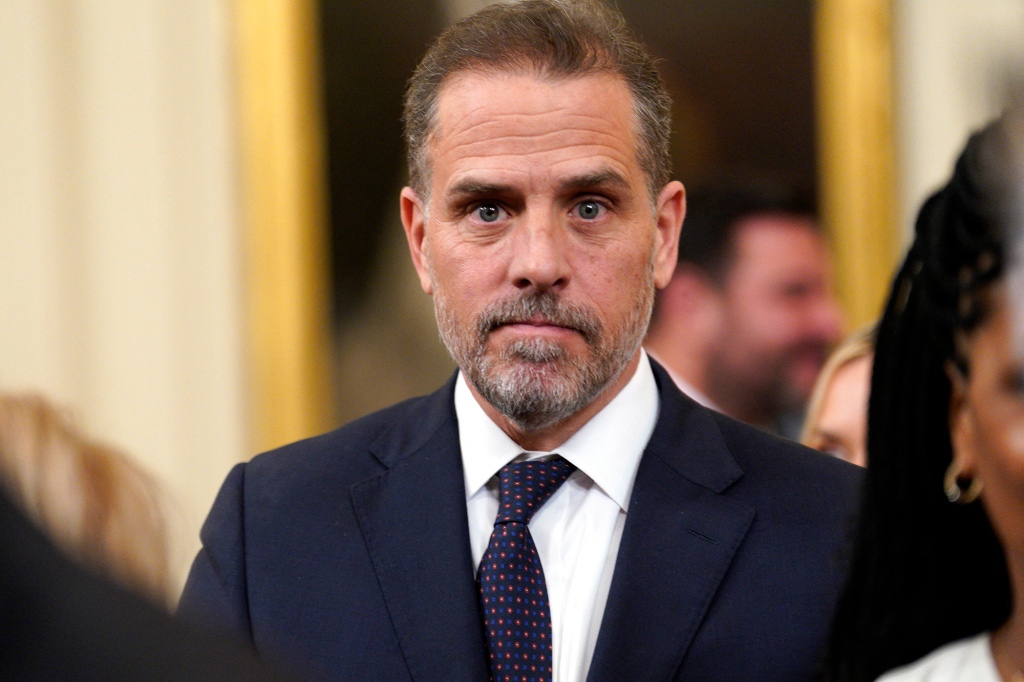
x,y
589,210
489,213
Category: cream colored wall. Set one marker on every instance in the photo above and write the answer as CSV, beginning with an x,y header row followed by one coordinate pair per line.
x,y
120,292
953,62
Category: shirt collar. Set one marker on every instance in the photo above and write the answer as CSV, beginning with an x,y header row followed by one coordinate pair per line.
x,y
607,449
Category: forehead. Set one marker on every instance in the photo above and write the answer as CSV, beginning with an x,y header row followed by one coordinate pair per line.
x,y
779,242
851,377
995,324
532,127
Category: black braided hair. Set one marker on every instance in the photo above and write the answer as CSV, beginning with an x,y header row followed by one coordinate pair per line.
x,y
926,572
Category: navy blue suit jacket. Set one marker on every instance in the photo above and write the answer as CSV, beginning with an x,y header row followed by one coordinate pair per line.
x,y
349,553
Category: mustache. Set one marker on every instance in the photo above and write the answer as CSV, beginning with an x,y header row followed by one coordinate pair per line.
x,y
546,306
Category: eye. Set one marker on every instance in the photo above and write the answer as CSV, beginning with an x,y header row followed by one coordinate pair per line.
x,y
589,210
489,213
828,445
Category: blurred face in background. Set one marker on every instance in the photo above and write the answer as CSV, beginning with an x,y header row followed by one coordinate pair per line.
x,y
987,423
840,426
779,318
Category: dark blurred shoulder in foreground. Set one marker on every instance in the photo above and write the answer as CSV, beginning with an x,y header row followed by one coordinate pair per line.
x,y
61,622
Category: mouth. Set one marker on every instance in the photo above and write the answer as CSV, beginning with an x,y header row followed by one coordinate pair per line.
x,y
536,321
536,316
536,327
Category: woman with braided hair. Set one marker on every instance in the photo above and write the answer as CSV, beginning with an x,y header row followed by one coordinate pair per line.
x,y
939,558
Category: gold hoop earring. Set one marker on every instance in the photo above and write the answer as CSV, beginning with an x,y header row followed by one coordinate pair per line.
x,y
955,491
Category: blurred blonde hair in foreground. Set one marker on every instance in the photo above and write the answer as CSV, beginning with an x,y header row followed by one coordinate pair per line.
x,y
859,344
96,503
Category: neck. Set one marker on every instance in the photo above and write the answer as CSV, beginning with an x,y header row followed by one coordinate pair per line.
x,y
551,437
1008,650
1008,640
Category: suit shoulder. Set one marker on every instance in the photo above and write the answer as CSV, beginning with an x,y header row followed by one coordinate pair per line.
x,y
787,467
350,449
748,441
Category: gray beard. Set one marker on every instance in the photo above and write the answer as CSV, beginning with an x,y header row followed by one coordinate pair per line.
x,y
537,383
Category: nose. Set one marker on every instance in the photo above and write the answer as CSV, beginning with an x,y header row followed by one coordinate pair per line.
x,y
540,251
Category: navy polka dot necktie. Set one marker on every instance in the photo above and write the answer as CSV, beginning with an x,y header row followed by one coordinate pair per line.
x,y
513,596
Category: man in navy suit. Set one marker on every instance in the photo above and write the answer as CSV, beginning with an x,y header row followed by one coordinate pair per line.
x,y
541,218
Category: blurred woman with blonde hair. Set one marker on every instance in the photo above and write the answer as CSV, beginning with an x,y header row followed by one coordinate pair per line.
x,y
97,504
837,415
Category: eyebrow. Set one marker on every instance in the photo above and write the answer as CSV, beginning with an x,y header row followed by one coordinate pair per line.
x,y
828,435
603,178
470,188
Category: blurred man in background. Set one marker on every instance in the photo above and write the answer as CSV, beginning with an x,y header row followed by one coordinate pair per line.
x,y
749,317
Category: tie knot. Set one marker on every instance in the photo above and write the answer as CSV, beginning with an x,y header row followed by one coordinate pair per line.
x,y
525,486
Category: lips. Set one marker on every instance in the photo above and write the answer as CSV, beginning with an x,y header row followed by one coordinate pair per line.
x,y
543,313
538,327
537,322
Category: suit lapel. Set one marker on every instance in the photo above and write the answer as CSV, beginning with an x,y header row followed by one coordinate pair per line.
x,y
680,537
413,517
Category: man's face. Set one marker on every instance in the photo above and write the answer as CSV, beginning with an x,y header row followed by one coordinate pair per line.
x,y
779,318
539,239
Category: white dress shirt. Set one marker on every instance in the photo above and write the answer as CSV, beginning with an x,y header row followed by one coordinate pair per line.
x,y
577,531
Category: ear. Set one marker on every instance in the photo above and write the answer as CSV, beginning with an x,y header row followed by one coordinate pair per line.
x,y
690,304
690,289
961,422
704,301
670,210
414,222
686,292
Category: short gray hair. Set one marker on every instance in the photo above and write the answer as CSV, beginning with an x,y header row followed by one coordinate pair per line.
x,y
558,38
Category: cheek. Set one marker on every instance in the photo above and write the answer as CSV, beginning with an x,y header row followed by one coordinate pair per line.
x,y
463,271
999,435
756,308
1000,444
1014,441
794,320
611,274
1005,509
757,325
